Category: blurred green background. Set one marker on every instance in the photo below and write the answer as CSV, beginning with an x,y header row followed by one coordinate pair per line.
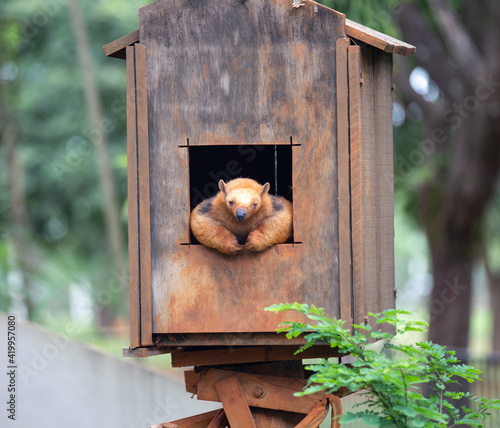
x,y
63,216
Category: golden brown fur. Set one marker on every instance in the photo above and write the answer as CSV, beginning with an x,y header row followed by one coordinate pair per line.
x,y
264,220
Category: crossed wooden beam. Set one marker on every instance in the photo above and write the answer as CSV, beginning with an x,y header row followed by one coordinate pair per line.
x,y
239,392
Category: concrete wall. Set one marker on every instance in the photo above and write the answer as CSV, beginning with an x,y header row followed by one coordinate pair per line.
x,y
62,383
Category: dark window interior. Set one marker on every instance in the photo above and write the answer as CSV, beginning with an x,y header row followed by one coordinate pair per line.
x,y
263,163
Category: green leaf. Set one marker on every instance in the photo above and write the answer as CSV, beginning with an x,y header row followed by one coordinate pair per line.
x,y
371,420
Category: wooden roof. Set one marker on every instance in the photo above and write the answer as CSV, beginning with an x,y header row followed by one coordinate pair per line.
x,y
378,40
353,30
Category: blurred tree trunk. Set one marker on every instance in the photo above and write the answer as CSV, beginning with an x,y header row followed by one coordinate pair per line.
x,y
23,256
462,56
111,210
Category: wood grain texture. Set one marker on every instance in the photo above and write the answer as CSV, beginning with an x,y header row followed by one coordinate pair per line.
x,y
378,40
144,192
368,187
132,196
241,73
385,179
219,421
118,47
278,391
344,183
233,400
357,182
371,181
315,416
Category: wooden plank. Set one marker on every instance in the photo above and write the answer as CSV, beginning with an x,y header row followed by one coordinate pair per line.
x,y
248,355
227,339
368,177
384,180
148,351
191,380
133,210
217,76
144,189
118,47
354,60
235,406
198,421
315,416
378,40
220,420
371,259
277,392
345,270
336,406
358,31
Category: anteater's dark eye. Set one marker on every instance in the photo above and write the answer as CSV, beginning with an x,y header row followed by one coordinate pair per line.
x,y
231,203
254,205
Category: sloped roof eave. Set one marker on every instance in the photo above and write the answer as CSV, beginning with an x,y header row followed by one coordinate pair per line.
x,y
354,30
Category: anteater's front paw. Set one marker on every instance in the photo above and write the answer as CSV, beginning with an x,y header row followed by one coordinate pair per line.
x,y
231,246
255,241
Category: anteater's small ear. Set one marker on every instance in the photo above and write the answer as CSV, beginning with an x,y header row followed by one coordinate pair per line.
x,y
264,189
222,187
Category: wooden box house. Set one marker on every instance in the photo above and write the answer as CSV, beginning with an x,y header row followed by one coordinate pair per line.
x,y
298,97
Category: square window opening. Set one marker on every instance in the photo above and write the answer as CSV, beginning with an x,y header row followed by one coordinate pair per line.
x,y
264,163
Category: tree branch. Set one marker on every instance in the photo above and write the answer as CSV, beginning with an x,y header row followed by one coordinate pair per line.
x,y
431,53
457,38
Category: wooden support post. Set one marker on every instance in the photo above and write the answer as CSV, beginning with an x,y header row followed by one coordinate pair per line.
x,y
197,421
220,420
336,405
315,416
270,397
235,406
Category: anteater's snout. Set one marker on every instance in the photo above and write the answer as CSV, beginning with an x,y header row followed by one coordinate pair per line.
x,y
241,214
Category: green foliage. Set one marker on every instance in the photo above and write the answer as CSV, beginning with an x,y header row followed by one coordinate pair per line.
x,y
372,13
42,103
391,378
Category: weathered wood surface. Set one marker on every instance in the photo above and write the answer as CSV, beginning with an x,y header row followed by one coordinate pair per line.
x,y
144,199
344,183
359,183
372,194
133,209
263,391
353,29
336,406
220,420
378,40
315,416
117,48
241,73
235,405
383,84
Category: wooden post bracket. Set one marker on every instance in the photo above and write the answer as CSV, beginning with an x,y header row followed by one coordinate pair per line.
x,y
238,392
